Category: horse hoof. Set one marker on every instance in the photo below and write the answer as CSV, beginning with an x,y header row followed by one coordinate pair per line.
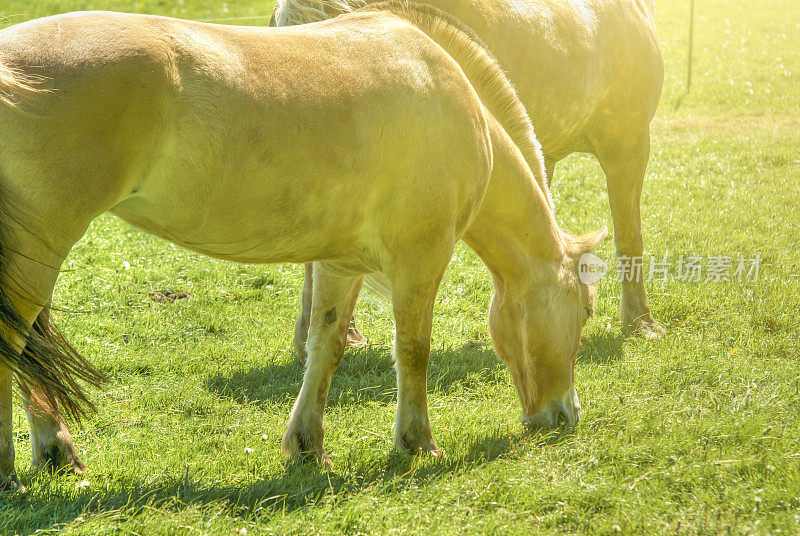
x,y
433,451
321,458
318,456
11,484
59,457
649,330
303,448
424,447
78,467
355,339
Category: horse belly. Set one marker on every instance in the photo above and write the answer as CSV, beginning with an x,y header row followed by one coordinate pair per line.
x,y
250,219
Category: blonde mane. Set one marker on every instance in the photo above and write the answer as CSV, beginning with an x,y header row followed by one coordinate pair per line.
x,y
293,12
14,85
479,65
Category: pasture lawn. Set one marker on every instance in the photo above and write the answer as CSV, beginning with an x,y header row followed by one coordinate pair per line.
x,y
698,433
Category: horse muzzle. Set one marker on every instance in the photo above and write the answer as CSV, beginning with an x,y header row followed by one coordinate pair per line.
x,y
558,412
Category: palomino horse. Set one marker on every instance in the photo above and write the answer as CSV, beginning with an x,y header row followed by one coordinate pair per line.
x,y
590,74
238,143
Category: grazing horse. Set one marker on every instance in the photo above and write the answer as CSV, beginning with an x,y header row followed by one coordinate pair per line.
x,y
590,74
237,142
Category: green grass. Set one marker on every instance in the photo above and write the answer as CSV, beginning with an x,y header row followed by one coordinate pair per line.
x,y
696,434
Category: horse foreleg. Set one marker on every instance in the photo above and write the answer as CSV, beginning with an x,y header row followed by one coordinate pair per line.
x,y
413,299
334,297
355,339
624,165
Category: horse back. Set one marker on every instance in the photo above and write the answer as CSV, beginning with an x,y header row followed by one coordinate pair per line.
x,y
103,88
236,142
571,61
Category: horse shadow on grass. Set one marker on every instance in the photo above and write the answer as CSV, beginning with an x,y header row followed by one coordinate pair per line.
x,y
296,487
601,348
364,375
367,374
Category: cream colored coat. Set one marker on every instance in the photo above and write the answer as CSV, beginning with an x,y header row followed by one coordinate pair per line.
x,y
590,74
239,143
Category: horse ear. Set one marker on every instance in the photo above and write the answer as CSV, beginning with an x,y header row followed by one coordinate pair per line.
x,y
586,243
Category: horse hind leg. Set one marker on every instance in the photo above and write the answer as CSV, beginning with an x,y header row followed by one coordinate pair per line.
x,y
355,339
304,319
46,368
8,477
51,443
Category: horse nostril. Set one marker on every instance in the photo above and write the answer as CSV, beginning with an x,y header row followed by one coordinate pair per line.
x,y
555,414
562,417
568,416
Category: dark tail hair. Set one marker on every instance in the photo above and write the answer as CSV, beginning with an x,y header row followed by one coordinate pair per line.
x,y
48,370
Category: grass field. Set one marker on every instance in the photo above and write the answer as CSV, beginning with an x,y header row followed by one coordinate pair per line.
x,y
698,433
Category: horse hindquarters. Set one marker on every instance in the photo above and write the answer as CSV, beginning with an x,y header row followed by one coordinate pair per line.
x,y
52,171
48,369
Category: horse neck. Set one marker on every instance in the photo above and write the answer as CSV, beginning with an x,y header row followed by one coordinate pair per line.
x,y
649,9
514,231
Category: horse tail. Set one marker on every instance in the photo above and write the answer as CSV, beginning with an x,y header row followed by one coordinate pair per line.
x,y
47,370
494,88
